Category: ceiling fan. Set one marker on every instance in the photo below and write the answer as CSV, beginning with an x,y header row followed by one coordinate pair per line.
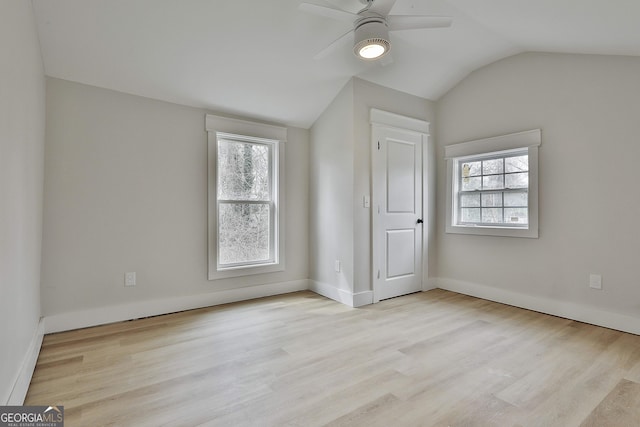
x,y
372,25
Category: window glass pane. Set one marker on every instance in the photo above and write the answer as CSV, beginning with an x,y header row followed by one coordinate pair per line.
x,y
517,180
470,184
493,182
243,171
492,166
492,200
243,232
470,169
516,216
515,199
491,215
470,200
516,164
470,215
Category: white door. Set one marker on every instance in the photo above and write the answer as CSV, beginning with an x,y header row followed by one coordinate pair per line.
x,y
397,212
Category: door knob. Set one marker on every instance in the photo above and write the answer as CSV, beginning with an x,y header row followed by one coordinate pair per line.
x,y
420,221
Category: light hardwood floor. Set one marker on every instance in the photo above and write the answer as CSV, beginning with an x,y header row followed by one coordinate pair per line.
x,y
428,359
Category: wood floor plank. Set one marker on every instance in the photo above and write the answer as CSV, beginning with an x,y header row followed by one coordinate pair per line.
x,y
435,358
621,407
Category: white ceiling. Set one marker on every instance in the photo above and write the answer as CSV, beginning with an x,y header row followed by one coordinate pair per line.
x,y
255,58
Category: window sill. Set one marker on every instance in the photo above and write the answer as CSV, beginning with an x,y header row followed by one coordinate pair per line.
x,y
493,231
245,271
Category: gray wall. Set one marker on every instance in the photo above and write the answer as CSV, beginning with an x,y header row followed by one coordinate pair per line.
x,y
341,176
588,108
22,122
331,193
125,190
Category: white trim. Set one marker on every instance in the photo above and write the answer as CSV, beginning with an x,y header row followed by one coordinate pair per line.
x,y
21,385
385,118
244,127
340,295
331,292
565,309
428,206
118,313
430,284
362,298
528,138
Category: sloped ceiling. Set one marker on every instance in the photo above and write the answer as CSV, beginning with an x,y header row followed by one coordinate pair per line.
x,y
255,58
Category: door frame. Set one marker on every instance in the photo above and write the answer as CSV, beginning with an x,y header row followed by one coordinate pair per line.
x,y
379,120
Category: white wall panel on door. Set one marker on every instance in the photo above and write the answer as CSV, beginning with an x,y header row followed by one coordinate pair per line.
x,y
400,176
400,252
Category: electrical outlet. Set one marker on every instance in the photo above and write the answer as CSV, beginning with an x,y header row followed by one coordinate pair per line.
x,y
130,278
337,266
595,281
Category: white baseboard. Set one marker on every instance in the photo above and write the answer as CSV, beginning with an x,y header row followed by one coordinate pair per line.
x,y
118,313
568,310
362,298
345,297
429,284
21,385
329,291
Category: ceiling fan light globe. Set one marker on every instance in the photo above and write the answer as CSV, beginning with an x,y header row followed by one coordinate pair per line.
x,y
371,39
371,51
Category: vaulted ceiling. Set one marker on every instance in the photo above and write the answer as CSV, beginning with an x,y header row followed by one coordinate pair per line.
x,y
255,58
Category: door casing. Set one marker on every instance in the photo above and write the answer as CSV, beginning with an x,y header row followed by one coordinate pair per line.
x,y
381,121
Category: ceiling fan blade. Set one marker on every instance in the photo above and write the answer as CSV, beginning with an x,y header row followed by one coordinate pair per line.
x,y
339,4
383,7
416,22
334,45
328,12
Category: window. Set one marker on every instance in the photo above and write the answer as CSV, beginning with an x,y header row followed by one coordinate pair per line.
x,y
247,201
493,190
492,186
245,235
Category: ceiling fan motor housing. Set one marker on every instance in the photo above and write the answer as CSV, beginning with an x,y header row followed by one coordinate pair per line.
x,y
371,30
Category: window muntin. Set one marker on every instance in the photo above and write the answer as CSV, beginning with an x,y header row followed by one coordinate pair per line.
x,y
492,189
246,201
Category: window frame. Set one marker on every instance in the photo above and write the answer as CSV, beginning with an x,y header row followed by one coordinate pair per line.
x,y
484,149
244,131
272,203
